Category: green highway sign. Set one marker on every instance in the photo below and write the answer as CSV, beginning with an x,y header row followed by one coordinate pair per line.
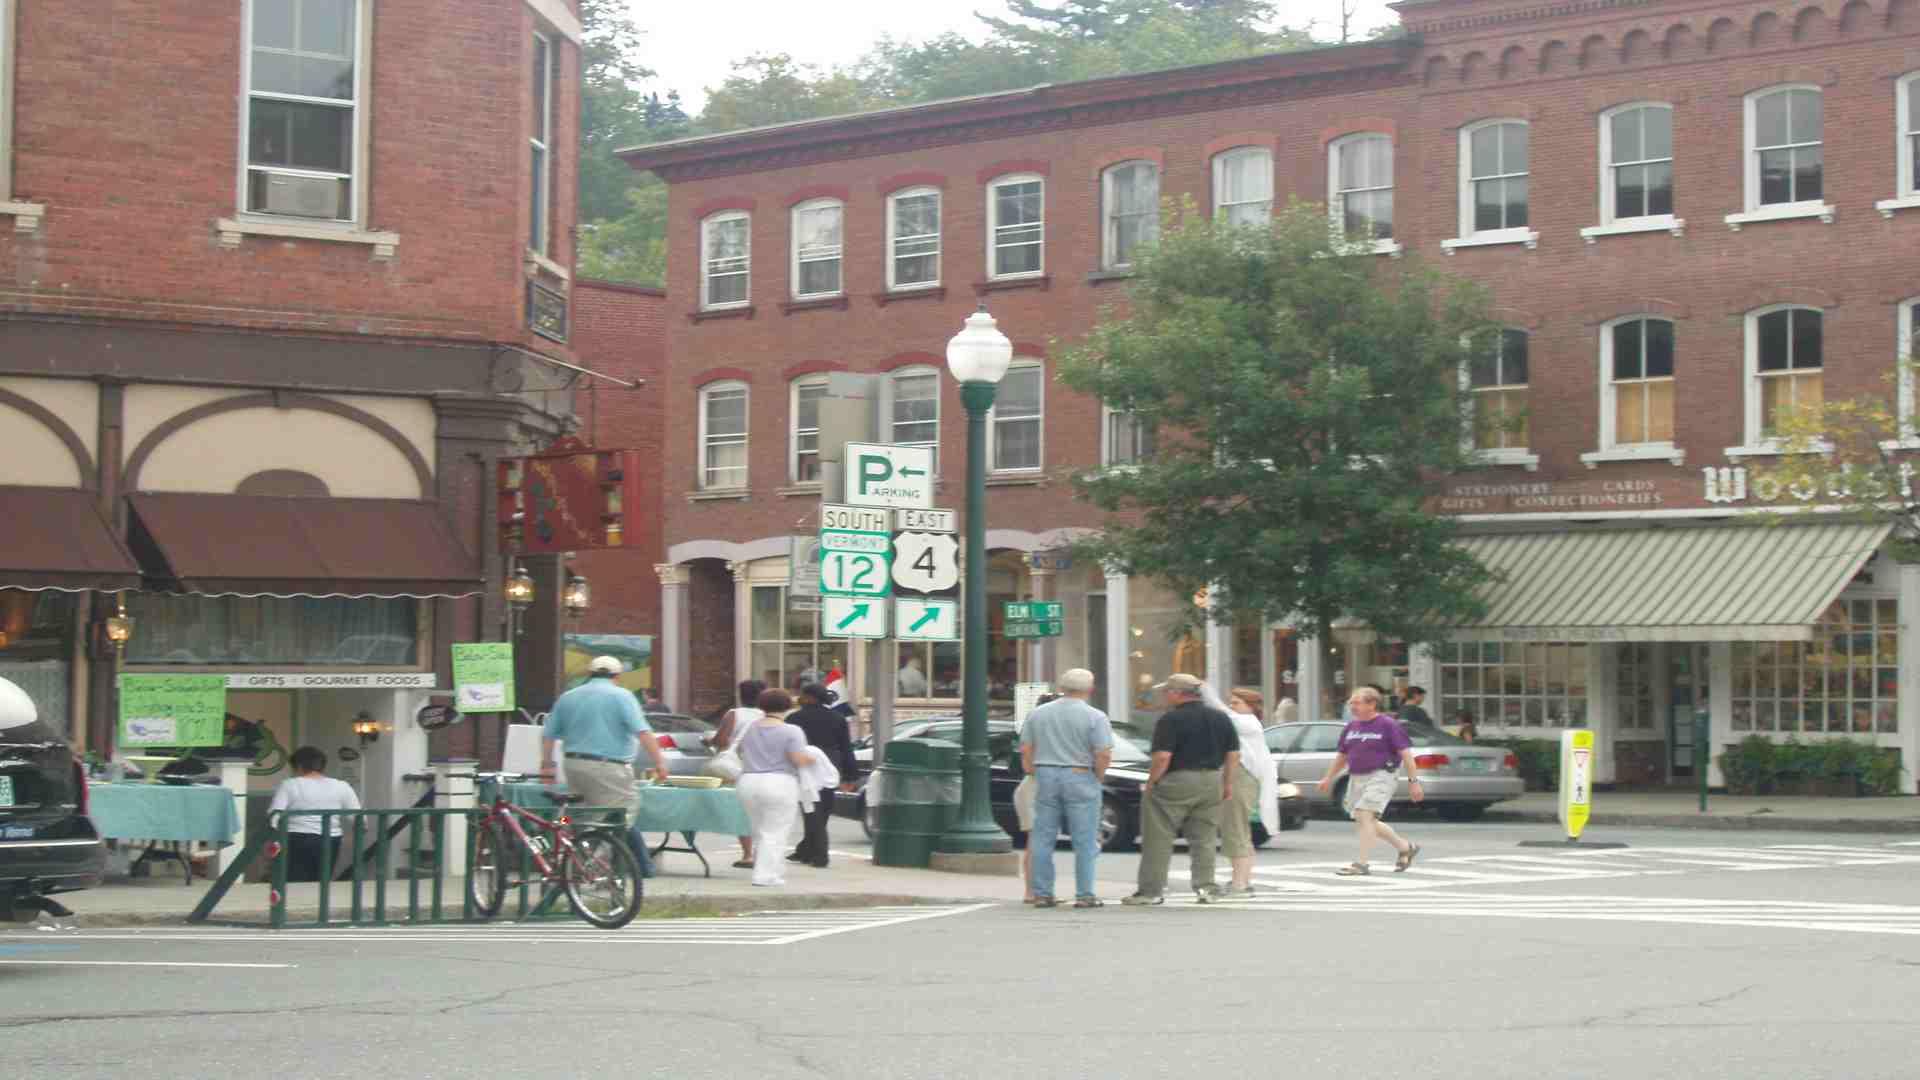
x,y
856,547
846,617
1034,611
919,619
855,573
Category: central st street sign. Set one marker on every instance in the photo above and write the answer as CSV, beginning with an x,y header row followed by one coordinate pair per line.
x,y
900,477
1033,618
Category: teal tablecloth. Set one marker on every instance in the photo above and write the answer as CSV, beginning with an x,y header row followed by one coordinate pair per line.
x,y
163,812
666,809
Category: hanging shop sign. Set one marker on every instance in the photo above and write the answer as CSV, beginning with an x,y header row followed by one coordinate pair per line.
x,y
571,497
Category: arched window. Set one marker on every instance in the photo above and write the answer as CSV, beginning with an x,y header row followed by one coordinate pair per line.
x,y
1016,417
1785,148
1497,382
1243,186
725,249
913,409
723,436
1130,211
1494,178
1907,112
1016,226
1637,384
913,239
1360,188
817,235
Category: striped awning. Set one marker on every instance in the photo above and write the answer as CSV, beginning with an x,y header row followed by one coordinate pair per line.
x,y
1745,582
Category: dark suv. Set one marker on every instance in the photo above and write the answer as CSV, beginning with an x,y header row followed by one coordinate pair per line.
x,y
47,845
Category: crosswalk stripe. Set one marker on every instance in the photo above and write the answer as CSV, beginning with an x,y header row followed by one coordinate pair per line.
x,y
1768,914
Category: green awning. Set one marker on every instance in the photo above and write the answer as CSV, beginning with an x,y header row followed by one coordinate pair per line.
x,y
1745,582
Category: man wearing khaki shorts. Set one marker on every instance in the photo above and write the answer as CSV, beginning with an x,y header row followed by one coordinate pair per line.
x,y
1372,747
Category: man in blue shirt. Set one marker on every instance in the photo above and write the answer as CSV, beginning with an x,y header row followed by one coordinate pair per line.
x,y
1067,745
597,724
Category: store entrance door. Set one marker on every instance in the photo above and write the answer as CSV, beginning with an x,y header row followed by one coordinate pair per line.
x,y
1688,688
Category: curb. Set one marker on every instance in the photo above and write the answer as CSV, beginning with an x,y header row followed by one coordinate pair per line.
x,y
1741,823
683,906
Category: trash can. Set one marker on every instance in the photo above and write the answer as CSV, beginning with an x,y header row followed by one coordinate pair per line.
x,y
915,794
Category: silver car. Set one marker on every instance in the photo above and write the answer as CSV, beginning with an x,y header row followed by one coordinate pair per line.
x,y
683,742
1461,779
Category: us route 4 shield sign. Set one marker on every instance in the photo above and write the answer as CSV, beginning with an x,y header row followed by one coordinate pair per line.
x,y
842,616
926,562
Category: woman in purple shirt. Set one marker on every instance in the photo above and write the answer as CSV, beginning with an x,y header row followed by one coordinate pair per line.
x,y
1372,746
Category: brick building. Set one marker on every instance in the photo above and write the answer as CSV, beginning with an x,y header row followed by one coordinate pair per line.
x,y
1689,214
282,279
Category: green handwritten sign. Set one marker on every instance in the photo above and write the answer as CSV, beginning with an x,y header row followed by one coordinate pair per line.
x,y
173,710
483,677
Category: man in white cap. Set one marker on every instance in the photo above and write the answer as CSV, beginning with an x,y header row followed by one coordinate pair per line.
x,y
596,725
1196,753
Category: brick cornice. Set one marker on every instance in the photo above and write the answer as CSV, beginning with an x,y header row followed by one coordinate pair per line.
x,y
811,367
721,374
816,191
912,359
917,178
1108,160
1360,125
723,202
1265,140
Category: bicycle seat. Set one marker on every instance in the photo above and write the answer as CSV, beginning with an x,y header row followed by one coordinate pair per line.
x,y
564,799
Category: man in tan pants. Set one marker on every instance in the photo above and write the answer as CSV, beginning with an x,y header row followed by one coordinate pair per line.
x,y
1196,754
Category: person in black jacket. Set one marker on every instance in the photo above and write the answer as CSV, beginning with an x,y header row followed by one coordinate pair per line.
x,y
827,730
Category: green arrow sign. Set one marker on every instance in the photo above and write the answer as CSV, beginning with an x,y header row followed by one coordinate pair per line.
x,y
854,616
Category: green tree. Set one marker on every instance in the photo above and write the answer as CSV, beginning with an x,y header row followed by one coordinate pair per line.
x,y
775,89
1850,455
614,112
1306,395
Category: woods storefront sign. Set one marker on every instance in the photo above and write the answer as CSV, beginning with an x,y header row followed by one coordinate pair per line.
x,y
1547,496
1718,485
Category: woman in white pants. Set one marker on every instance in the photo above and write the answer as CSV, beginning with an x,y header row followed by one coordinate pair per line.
x,y
771,754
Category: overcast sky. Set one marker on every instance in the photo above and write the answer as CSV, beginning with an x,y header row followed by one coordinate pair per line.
x,y
693,45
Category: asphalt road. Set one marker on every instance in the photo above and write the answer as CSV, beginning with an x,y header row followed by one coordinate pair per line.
x,y
1693,955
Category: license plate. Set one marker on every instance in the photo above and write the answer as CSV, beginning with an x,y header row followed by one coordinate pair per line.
x,y
1474,764
6,790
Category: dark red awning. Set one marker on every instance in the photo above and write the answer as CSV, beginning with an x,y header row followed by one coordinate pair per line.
x,y
258,545
57,538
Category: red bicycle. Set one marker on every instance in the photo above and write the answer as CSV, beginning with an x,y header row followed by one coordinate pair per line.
x,y
593,864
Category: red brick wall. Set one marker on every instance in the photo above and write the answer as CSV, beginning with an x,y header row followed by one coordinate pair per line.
x,y
617,331
710,593
1855,268
127,119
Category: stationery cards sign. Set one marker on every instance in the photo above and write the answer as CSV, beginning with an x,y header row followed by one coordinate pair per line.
x,y
173,710
483,677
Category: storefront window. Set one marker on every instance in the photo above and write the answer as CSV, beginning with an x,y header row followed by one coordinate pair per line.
x,y
1515,684
1633,686
36,640
787,650
1847,679
304,631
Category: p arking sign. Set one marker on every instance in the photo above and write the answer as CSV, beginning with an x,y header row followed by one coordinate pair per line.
x,y
900,477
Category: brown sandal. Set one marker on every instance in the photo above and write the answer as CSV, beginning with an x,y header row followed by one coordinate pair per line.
x,y
1406,857
1358,869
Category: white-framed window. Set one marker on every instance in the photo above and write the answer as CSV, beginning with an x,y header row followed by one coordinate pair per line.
x,y
1494,179
1016,226
1785,152
723,436
1360,187
1907,352
913,239
817,236
803,454
726,248
1497,381
6,100
1130,210
1907,113
913,409
1637,384
1126,439
1846,680
1636,163
1243,186
1513,684
305,117
541,143
1785,358
1015,420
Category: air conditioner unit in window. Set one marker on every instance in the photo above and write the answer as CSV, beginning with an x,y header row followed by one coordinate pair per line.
x,y
305,196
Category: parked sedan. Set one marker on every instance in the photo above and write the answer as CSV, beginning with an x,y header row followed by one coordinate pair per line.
x,y
1461,779
683,742
47,844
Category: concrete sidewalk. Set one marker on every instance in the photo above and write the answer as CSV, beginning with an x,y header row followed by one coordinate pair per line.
x,y
1792,813
679,889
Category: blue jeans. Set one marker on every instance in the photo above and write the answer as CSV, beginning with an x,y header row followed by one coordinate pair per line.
x,y
1063,797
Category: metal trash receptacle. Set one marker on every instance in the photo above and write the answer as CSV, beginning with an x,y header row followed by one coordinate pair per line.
x,y
915,794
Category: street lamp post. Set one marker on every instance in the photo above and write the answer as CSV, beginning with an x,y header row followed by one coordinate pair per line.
x,y
978,357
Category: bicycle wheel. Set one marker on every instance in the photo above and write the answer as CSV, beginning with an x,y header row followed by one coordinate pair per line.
x,y
602,879
487,874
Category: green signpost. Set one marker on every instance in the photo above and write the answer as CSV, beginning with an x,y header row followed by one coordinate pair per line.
x,y
173,710
483,677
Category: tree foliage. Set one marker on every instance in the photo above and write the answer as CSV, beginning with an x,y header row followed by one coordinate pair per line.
x,y
1852,455
1305,394
1032,43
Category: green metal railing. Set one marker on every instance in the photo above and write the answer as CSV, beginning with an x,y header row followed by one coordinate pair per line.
x,y
368,883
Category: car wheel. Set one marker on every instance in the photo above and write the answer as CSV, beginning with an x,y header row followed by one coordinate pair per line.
x,y
1460,811
1116,827
1260,835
